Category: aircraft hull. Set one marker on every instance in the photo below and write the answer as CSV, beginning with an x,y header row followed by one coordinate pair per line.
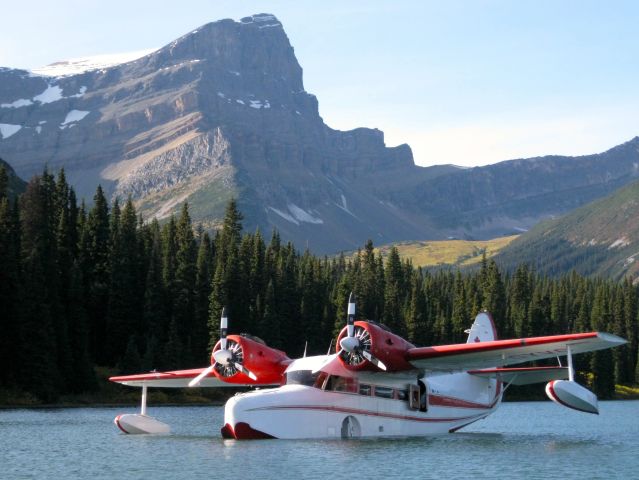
x,y
297,411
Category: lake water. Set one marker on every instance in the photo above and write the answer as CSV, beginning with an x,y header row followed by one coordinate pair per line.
x,y
537,440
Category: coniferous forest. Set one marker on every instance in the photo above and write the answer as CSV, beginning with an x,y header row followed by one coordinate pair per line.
x,y
84,286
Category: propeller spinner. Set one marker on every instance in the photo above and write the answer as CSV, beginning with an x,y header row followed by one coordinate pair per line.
x,y
228,359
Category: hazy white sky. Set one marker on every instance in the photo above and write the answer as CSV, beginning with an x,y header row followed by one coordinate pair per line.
x,y
463,82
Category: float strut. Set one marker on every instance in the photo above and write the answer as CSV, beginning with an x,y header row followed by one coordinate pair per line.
x,y
571,370
143,403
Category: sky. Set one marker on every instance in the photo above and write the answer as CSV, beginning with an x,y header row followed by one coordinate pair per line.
x,y
463,82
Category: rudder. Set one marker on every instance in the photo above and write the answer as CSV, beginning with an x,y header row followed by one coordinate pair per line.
x,y
483,329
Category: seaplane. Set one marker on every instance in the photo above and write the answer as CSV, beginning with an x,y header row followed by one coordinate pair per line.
x,y
376,384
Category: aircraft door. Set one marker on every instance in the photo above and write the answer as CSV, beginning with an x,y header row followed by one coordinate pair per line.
x,y
423,396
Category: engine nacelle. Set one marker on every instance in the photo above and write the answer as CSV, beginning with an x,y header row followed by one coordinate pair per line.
x,y
381,343
268,364
572,395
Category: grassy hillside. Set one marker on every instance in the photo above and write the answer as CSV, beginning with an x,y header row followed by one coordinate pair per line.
x,y
449,252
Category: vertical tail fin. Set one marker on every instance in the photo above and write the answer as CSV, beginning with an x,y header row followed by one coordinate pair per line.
x,y
483,329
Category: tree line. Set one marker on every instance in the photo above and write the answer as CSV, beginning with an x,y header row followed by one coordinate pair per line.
x,y
82,286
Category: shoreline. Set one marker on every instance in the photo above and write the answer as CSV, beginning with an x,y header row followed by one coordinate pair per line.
x,y
219,403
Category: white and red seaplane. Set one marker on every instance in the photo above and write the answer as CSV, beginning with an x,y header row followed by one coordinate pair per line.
x,y
377,384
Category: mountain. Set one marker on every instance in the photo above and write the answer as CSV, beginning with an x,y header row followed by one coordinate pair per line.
x,y
222,112
15,185
512,196
601,238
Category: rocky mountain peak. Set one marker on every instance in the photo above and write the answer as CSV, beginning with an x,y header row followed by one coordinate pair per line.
x,y
253,50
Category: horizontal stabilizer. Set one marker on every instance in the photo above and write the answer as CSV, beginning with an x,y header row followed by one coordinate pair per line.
x,y
524,376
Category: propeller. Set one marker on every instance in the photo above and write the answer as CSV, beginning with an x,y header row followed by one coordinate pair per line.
x,y
355,347
228,359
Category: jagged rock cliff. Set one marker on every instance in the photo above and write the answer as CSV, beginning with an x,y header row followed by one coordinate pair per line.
x,y
222,112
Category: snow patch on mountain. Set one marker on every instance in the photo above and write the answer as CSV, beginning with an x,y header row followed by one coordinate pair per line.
x,y
297,215
74,116
7,129
619,243
76,66
53,93
22,102
284,215
302,215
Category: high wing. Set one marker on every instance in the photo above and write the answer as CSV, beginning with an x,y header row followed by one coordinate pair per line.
x,y
499,353
178,379
524,376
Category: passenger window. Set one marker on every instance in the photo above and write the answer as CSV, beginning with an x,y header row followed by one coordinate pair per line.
x,y
343,384
384,392
402,395
365,390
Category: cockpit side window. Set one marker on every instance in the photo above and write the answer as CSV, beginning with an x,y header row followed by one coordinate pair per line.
x,y
301,377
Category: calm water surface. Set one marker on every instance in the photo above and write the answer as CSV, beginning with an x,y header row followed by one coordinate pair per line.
x,y
522,440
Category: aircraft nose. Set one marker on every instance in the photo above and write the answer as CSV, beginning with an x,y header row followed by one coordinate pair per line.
x,y
238,413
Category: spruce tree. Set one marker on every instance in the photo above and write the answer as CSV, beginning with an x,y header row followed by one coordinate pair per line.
x,y
10,288
394,292
124,314
38,355
204,272
94,263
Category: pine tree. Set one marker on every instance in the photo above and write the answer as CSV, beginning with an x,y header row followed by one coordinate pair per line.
x,y
459,321
124,317
185,274
10,287
601,363
4,183
417,325
494,298
38,355
393,297
94,263
204,267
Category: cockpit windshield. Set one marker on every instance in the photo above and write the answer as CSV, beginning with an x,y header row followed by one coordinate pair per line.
x,y
301,377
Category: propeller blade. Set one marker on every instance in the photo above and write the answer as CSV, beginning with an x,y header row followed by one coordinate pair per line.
x,y
374,360
206,372
224,326
350,319
245,371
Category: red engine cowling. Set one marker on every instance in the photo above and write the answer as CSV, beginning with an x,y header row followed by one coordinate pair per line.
x,y
383,344
268,364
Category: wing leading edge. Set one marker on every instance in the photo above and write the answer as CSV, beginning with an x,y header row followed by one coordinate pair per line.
x,y
499,353
177,379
